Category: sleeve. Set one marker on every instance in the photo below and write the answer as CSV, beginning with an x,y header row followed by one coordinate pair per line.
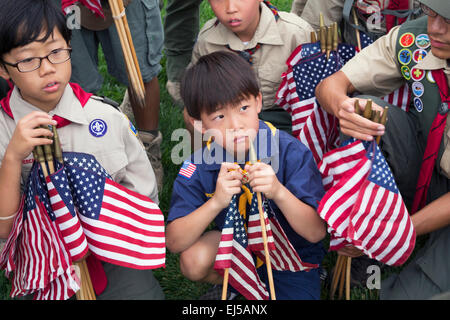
x,y
187,196
375,69
138,174
301,175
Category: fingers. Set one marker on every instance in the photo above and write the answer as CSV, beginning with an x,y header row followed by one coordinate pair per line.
x,y
359,127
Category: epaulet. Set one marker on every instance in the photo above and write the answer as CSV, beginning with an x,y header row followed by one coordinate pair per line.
x,y
211,23
106,100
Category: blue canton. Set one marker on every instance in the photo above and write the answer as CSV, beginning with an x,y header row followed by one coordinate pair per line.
x,y
234,220
380,173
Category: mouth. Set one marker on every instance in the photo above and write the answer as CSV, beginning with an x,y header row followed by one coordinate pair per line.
x,y
235,22
240,139
51,87
436,43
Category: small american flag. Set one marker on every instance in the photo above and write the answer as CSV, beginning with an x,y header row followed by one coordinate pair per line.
x,y
282,254
121,226
94,5
363,205
187,169
234,254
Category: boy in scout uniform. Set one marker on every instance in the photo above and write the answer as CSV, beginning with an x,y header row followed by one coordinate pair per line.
x,y
38,63
416,142
262,35
287,175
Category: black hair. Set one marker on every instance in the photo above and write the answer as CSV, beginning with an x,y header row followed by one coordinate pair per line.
x,y
218,79
22,22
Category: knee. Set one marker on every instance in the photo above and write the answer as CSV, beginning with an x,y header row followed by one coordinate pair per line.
x,y
195,265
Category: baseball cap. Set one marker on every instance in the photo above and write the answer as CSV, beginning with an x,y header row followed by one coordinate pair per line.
x,y
441,7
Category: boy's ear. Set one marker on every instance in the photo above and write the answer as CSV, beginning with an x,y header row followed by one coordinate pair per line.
x,y
259,102
3,72
192,122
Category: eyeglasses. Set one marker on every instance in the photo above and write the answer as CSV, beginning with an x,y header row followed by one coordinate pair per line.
x,y
30,64
431,13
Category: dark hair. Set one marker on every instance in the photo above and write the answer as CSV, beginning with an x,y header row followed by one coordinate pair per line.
x,y
22,21
217,79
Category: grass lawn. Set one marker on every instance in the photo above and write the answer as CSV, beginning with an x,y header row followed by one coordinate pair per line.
x,y
174,284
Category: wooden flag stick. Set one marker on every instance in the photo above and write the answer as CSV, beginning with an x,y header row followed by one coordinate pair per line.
x,y
329,41
225,284
342,277
358,37
347,278
336,275
253,160
383,121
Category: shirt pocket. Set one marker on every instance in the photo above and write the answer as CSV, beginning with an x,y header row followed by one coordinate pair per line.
x,y
269,76
114,162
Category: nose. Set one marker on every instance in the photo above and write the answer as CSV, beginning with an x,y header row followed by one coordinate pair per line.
x,y
231,6
437,25
46,67
235,122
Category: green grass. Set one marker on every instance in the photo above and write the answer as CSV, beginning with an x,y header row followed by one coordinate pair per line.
x,y
174,284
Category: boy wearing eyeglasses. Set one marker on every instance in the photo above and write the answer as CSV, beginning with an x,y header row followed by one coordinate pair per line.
x,y
416,143
35,57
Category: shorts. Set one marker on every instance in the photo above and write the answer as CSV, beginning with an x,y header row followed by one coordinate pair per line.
x,y
144,20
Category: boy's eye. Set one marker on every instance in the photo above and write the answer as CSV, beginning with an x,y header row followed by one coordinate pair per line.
x,y
218,117
243,108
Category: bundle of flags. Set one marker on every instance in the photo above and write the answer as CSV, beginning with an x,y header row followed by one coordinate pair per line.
x,y
241,245
94,5
363,206
78,209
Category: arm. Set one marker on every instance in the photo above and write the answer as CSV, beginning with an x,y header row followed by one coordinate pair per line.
x,y
434,216
302,217
183,232
26,136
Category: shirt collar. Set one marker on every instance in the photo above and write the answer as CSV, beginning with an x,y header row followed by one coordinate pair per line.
x,y
69,107
431,62
266,33
266,144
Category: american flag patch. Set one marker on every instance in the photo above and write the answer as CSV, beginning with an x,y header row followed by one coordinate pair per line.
x,y
187,169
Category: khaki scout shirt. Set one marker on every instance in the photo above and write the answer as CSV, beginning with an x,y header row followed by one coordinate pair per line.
x,y
118,150
277,39
375,71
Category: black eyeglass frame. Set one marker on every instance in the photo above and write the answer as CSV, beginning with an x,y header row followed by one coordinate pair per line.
x,y
16,65
431,13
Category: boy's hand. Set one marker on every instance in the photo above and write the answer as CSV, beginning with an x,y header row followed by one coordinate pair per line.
x,y
228,184
263,179
27,135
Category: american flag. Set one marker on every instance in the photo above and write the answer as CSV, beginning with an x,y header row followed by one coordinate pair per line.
x,y
234,254
282,254
94,5
363,206
35,252
121,226
187,169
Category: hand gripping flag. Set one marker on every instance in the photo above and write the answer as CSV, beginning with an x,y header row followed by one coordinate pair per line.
x,y
362,205
234,254
282,254
94,5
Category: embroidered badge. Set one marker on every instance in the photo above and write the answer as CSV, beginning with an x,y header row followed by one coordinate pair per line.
x,y
404,56
417,88
430,77
406,72
98,128
422,41
407,39
418,104
187,169
419,54
417,74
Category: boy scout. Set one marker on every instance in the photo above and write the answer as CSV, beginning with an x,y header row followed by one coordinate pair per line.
x,y
416,143
35,56
202,193
264,36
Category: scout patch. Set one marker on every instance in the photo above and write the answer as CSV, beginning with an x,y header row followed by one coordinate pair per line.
x,y
407,39
98,128
418,104
422,41
132,127
406,73
417,74
404,56
419,54
430,77
187,169
417,88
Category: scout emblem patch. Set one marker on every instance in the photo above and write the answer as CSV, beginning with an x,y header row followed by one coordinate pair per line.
x,y
418,104
419,54
407,39
98,128
418,89
422,41
417,74
404,56
187,169
406,73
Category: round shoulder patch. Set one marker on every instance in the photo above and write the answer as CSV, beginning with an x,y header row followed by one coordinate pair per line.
x,y
422,41
417,74
407,39
406,72
404,56
98,128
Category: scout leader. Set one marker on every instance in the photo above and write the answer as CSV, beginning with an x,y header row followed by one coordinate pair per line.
x,y
416,142
35,56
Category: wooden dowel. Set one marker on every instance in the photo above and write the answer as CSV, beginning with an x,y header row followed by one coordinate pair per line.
x,y
313,37
347,278
342,278
357,107
225,284
57,145
329,41
368,109
336,276
383,121
335,36
358,37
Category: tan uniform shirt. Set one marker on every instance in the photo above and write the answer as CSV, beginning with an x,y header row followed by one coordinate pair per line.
x,y
277,40
375,71
118,150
